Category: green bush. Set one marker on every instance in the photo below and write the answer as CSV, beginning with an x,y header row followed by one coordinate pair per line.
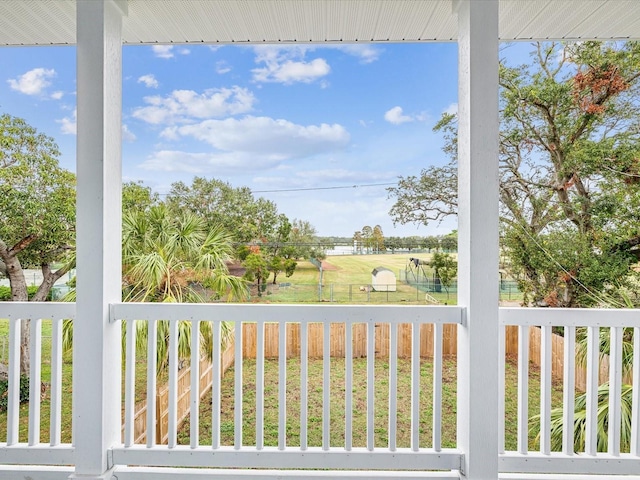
x,y
5,293
4,392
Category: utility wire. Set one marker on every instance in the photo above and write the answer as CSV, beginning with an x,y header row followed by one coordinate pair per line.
x,y
593,294
308,189
324,188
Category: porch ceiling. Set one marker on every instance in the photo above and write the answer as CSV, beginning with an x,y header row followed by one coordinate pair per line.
x,y
46,22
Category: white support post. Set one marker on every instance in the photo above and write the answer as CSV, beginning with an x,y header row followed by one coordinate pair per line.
x,y
478,237
97,357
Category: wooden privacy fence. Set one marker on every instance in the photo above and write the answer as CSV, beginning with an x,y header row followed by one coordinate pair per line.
x,y
449,345
337,340
184,391
337,348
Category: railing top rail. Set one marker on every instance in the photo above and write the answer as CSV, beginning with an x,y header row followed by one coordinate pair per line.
x,y
288,312
570,317
44,310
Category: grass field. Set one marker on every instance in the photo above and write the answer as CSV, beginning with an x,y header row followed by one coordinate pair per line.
x,y
343,275
337,427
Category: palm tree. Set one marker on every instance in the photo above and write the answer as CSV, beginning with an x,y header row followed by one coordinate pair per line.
x,y
580,421
174,258
580,410
169,258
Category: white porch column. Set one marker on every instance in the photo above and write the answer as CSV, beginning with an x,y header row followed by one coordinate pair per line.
x,y
96,353
478,237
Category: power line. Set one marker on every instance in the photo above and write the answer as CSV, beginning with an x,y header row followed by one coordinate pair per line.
x,y
324,188
306,189
593,294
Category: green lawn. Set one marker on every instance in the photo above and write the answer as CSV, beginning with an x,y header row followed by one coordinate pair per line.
x,y
67,388
343,276
67,372
359,404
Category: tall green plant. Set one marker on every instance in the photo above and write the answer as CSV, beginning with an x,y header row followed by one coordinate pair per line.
x,y
580,409
580,422
168,258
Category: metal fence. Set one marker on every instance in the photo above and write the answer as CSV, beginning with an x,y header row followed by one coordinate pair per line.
x,y
402,292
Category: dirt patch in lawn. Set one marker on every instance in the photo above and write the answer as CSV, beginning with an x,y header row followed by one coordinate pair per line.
x,y
329,266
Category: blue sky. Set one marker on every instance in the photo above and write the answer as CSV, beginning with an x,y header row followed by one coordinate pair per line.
x,y
268,117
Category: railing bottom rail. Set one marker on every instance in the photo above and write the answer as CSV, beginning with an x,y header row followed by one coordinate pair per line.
x,y
556,476
155,473
558,463
12,472
268,457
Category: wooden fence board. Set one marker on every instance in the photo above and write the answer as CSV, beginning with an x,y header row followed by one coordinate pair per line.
x,y
184,398
315,340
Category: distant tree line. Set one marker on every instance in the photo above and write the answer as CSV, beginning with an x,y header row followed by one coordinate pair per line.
x,y
373,241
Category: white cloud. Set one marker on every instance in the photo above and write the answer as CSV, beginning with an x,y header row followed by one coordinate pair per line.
x,y
291,72
149,81
69,124
163,51
168,51
395,116
182,105
57,95
251,144
264,136
367,53
226,163
222,67
287,65
127,135
32,82
452,109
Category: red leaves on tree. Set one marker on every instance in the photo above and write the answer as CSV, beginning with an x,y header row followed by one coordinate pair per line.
x,y
593,87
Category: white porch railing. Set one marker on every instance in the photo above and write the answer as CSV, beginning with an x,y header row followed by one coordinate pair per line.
x,y
588,461
305,455
36,451
49,458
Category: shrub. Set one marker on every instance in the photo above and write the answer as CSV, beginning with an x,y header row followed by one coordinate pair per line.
x,y
5,293
4,392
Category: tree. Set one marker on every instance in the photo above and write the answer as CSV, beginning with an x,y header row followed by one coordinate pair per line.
x,y
37,214
450,242
257,269
168,258
445,269
280,254
220,204
569,170
377,239
357,241
135,196
305,240
432,243
367,236
393,243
